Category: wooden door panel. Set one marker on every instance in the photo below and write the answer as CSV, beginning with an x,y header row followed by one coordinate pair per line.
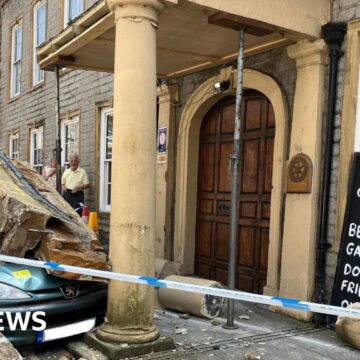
x,y
265,210
264,246
253,115
203,270
246,244
228,116
250,173
209,127
221,275
248,209
269,151
206,206
224,167
214,191
245,283
206,167
222,241
204,234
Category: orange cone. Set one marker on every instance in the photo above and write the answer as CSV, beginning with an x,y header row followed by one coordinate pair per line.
x,y
85,214
93,222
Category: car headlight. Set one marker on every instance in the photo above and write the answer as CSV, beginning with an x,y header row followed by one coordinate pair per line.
x,y
8,292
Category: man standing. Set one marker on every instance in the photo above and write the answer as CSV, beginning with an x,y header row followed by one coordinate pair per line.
x,y
74,181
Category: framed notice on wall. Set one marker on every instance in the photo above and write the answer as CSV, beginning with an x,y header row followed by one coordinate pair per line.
x,y
162,140
162,145
346,288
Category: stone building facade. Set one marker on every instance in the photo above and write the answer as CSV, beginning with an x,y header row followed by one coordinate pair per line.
x,y
291,76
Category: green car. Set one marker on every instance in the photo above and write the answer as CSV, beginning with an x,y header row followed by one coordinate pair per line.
x,y
36,307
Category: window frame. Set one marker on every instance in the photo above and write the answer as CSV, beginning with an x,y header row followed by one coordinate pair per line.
x,y
35,68
15,62
14,136
104,206
33,131
66,12
65,122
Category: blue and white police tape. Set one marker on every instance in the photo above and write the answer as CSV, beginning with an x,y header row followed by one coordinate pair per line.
x,y
152,281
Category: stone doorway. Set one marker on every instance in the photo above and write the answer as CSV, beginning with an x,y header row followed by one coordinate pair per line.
x,y
214,191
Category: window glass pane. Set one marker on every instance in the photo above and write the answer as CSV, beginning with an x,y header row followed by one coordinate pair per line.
x,y
67,136
39,74
40,24
16,60
109,132
17,73
109,172
70,131
17,43
109,128
39,37
37,149
105,158
75,8
14,146
109,183
71,148
109,195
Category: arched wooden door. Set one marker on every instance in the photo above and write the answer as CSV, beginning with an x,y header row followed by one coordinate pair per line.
x,y
214,191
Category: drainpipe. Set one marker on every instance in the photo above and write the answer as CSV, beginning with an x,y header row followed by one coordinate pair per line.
x,y
57,150
333,34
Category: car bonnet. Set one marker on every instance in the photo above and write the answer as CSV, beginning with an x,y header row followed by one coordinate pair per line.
x,y
29,278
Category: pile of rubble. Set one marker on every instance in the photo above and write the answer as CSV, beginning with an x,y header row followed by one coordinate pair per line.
x,y
36,222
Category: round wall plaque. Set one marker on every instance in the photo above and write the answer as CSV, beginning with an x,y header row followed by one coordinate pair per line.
x,y
298,168
299,174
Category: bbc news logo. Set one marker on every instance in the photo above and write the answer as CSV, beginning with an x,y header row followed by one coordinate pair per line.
x,y
21,321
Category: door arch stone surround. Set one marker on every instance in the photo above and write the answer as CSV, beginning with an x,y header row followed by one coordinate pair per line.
x,y
195,109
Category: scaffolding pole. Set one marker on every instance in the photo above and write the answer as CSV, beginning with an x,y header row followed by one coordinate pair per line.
x,y
236,176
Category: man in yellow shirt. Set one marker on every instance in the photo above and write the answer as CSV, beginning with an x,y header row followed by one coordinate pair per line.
x,y
74,181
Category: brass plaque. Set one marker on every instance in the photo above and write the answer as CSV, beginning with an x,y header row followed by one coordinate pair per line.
x,y
224,207
299,174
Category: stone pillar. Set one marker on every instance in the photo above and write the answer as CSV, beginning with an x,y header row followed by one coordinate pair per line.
x,y
168,96
302,210
129,316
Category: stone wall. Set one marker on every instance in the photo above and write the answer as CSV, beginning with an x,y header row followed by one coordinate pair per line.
x,y
342,11
80,90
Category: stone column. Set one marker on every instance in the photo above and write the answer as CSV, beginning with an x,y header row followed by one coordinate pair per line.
x,y
129,316
302,210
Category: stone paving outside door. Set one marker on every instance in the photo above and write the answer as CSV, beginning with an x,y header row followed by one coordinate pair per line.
x,y
214,191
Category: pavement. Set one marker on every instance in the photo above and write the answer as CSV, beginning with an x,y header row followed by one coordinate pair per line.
x,y
261,335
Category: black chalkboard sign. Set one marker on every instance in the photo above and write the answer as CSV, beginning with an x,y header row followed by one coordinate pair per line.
x,y
346,288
